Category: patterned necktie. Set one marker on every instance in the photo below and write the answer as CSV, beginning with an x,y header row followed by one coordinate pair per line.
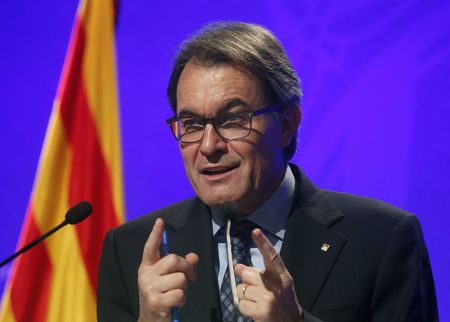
x,y
240,233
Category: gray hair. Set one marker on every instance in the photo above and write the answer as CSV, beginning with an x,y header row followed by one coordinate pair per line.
x,y
248,46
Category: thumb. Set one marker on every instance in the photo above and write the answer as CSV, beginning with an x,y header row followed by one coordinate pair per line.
x,y
238,269
192,259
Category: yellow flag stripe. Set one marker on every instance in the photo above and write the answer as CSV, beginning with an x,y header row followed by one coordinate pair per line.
x,y
71,294
6,313
50,188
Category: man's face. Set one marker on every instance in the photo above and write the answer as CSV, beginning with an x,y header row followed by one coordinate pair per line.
x,y
241,173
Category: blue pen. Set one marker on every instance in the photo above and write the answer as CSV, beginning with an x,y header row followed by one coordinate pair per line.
x,y
166,251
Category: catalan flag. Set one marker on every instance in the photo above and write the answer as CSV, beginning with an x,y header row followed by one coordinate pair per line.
x,y
80,160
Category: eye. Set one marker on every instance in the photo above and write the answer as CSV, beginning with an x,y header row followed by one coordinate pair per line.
x,y
192,124
232,120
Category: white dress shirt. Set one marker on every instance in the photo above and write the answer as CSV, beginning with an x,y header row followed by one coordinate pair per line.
x,y
271,217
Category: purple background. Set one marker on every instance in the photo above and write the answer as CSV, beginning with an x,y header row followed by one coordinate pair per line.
x,y
376,80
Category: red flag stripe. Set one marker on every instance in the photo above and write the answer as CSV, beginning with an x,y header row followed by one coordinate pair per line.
x,y
30,290
90,177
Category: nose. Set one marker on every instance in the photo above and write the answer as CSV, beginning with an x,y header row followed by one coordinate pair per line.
x,y
212,145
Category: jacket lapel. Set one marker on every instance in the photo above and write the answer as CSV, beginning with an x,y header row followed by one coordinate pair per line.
x,y
193,233
307,230
310,249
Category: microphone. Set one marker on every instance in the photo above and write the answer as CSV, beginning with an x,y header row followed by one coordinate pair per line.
x,y
74,215
230,218
78,213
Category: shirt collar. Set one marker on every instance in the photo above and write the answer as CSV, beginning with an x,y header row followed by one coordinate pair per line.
x,y
272,214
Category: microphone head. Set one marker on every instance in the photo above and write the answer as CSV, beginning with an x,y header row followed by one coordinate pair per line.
x,y
79,212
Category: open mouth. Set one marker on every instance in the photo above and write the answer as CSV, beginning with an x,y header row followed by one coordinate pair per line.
x,y
217,170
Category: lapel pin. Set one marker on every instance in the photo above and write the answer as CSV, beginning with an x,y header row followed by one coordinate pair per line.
x,y
325,247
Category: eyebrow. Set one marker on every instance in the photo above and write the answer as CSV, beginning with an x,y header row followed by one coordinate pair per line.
x,y
233,103
222,109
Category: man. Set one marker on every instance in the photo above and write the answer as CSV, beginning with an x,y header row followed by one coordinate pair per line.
x,y
313,255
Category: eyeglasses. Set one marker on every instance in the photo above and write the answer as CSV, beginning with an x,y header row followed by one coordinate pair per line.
x,y
229,126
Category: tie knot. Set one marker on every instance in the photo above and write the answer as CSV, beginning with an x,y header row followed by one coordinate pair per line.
x,y
240,233
242,229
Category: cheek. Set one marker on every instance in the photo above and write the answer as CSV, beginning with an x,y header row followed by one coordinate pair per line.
x,y
255,160
262,156
270,144
263,148
189,154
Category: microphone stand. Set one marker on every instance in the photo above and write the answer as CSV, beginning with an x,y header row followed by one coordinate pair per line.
x,y
33,243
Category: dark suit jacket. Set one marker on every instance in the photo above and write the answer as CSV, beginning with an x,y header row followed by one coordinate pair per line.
x,y
376,268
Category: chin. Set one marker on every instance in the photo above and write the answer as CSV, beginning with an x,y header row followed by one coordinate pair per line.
x,y
214,198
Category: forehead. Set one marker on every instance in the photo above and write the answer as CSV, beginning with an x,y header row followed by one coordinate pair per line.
x,y
205,90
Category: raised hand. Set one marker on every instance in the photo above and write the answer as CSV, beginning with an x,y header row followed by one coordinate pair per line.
x,y
267,295
162,281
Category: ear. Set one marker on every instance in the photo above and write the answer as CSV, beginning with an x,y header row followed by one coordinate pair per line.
x,y
290,121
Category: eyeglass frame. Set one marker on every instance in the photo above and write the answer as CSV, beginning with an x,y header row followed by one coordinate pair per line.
x,y
275,109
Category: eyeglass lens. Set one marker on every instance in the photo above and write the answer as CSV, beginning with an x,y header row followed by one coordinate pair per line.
x,y
229,126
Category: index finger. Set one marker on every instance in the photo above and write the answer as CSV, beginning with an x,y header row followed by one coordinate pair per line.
x,y
151,252
272,260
